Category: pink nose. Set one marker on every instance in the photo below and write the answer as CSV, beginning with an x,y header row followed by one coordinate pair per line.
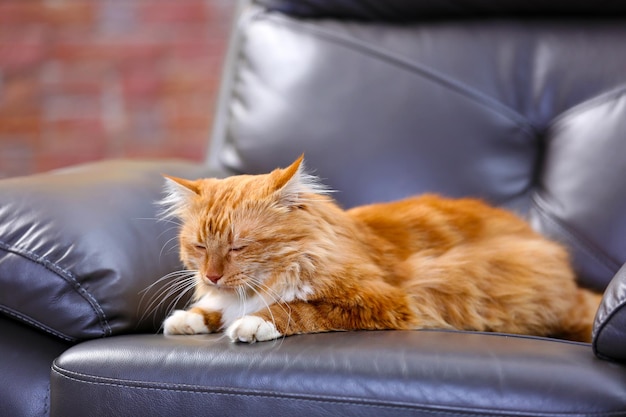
x,y
213,278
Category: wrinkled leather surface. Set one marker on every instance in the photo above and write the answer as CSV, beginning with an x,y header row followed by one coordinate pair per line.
x,y
609,332
575,200
77,247
408,10
524,113
511,111
356,374
25,358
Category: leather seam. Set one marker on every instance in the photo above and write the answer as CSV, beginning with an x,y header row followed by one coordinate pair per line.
x,y
431,74
609,313
36,324
588,105
575,239
600,332
66,276
46,404
194,389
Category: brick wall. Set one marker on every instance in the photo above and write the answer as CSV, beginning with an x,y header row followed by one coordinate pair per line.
x,y
82,80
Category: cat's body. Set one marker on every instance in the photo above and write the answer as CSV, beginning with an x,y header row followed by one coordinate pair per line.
x,y
276,256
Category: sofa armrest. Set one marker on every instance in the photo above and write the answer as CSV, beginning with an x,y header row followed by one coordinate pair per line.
x,y
80,246
609,330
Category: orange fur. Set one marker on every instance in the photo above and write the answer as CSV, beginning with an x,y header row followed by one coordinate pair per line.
x,y
280,249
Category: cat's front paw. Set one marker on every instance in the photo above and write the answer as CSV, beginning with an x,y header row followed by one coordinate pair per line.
x,y
250,329
185,322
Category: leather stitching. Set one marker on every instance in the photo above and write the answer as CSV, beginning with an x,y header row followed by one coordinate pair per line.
x,y
195,389
68,277
31,322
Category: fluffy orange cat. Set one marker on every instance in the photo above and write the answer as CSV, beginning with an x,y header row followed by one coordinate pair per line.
x,y
272,255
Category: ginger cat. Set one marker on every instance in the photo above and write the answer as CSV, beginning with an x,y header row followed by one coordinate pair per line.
x,y
272,255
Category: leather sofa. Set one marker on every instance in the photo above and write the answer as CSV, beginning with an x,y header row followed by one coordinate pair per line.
x,y
520,103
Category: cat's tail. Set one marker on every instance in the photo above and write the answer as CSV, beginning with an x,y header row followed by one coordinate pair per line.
x,y
578,324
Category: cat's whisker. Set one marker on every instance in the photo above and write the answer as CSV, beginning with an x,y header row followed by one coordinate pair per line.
x,y
241,294
169,229
276,297
272,294
169,276
177,282
175,221
186,283
263,300
163,249
176,301
277,300
179,288
183,291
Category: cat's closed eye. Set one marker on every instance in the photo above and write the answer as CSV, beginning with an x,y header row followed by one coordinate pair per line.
x,y
199,247
237,248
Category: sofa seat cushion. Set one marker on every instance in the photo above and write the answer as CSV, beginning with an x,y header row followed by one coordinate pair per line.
x,y
392,373
78,247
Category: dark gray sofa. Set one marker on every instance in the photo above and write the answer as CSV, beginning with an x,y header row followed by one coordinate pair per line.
x,y
522,104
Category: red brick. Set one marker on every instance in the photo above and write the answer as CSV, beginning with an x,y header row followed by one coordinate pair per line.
x,y
56,143
85,127
142,80
191,145
17,125
186,112
20,95
75,77
16,154
43,162
185,76
102,50
89,79
24,33
167,11
68,107
57,13
12,11
15,57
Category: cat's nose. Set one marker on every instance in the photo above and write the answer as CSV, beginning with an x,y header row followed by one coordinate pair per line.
x,y
213,278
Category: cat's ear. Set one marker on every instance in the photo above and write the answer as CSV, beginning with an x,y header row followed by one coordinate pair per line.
x,y
178,193
293,182
182,185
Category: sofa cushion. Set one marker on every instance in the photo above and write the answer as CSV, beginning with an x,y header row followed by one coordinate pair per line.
x,y
609,332
78,247
532,125
384,373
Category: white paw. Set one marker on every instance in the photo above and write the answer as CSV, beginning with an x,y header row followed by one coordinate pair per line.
x,y
250,329
185,322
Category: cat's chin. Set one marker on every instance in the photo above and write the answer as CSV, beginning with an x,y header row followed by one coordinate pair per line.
x,y
213,288
225,289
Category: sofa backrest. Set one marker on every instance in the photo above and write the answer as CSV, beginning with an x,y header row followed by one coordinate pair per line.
x,y
522,104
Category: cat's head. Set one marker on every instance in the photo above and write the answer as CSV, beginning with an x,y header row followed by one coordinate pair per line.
x,y
244,233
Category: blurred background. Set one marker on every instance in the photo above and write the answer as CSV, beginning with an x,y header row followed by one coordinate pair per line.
x,y
82,80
